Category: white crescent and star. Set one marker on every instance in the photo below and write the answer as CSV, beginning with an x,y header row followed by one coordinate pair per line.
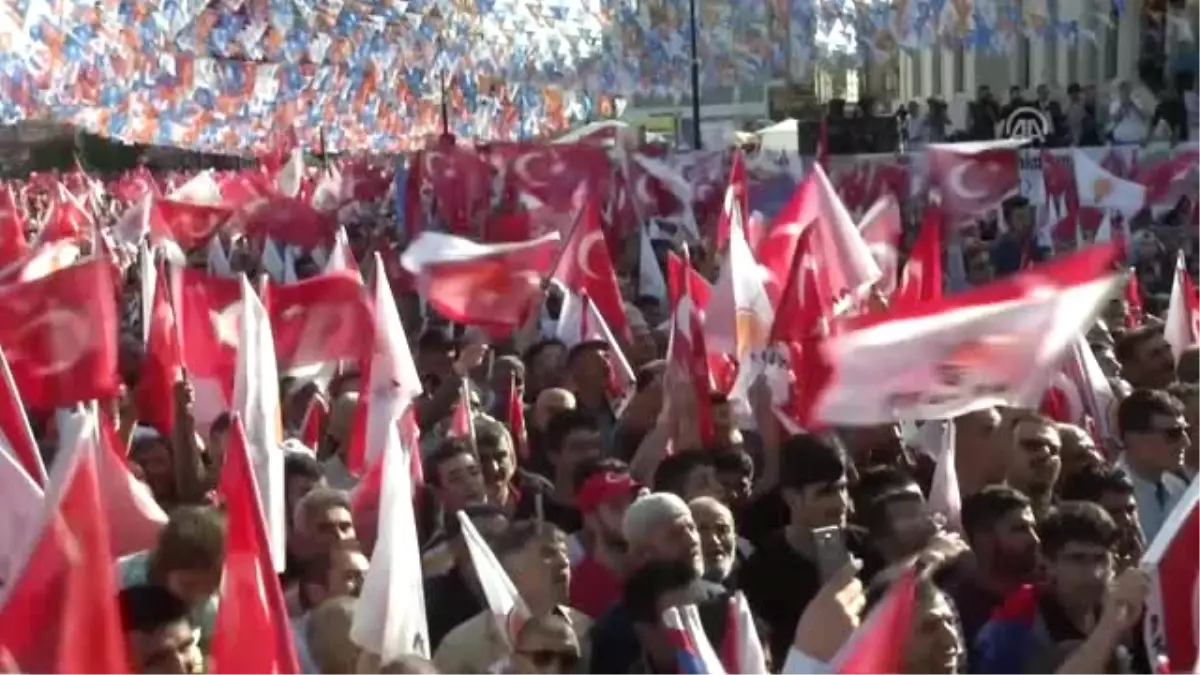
x,y
785,231
226,324
521,168
955,180
584,252
67,333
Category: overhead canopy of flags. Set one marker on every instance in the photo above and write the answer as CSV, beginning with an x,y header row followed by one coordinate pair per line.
x,y
222,76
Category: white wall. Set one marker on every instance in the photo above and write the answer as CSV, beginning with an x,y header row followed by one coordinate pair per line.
x,y
1047,62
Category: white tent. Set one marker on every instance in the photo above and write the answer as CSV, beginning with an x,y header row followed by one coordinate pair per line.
x,y
780,137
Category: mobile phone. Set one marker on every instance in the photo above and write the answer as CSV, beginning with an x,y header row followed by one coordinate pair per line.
x,y
830,546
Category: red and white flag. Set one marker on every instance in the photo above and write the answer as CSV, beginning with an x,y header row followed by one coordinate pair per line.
x,y
389,619
208,309
845,259
321,319
880,644
741,650
256,401
21,508
58,613
16,436
162,364
737,200
60,336
1182,329
392,385
508,608
974,177
251,609
127,500
922,277
687,352
585,267
999,344
1171,625
492,286
881,228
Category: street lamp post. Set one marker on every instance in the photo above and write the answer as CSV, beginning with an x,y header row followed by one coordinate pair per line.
x,y
697,142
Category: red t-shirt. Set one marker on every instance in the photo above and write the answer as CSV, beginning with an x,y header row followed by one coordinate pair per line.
x,y
594,588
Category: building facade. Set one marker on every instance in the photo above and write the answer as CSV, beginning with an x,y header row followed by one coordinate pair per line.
x,y
1124,44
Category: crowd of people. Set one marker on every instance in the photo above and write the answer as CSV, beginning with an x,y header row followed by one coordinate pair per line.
x,y
1077,119
604,516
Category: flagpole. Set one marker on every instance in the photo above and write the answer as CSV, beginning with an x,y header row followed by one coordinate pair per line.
x,y
697,143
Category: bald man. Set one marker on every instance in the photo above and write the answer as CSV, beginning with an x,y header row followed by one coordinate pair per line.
x,y
549,403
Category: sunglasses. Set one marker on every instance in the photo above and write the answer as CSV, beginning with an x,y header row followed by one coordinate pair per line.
x,y
545,658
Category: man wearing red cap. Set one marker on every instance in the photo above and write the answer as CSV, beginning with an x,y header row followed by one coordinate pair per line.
x,y
602,496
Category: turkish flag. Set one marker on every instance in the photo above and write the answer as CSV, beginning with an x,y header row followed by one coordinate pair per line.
x,y
291,221
698,287
737,197
60,336
806,302
189,225
586,268
69,219
974,177
252,610
688,352
1171,626
208,310
491,286
60,611
162,363
1182,329
922,277
881,228
13,245
879,645
325,318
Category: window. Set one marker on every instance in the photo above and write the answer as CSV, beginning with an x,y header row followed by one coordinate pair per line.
x,y
752,93
1072,64
936,57
716,95
1050,67
1110,48
918,59
960,70
1024,63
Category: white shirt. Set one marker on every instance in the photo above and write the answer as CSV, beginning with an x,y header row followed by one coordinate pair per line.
x,y
1154,504
1128,122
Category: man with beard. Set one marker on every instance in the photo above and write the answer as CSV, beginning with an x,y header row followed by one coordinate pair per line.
x,y
1000,528
1033,461
603,496
718,540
